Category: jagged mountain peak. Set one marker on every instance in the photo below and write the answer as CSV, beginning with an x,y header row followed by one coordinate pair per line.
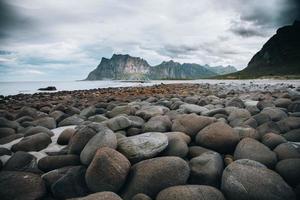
x,y
124,66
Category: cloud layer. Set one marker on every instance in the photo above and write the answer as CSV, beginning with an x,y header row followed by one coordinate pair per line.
x,y
64,40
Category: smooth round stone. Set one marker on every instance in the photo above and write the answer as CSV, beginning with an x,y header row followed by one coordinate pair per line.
x,y
107,171
177,145
153,175
21,185
190,192
72,120
119,110
104,138
118,123
245,132
272,140
4,132
65,136
275,114
147,112
206,169
158,124
195,151
47,122
72,184
143,146
251,180
191,124
252,149
38,129
192,108
34,142
289,169
49,163
218,136
293,135
287,150
22,161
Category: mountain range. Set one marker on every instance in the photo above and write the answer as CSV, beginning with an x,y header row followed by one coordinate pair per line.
x,y
126,67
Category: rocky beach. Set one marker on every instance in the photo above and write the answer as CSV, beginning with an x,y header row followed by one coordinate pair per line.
x,y
166,141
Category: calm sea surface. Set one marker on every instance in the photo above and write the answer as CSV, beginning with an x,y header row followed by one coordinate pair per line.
x,y
30,87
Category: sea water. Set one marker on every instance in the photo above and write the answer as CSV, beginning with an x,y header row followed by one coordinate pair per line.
x,y
30,87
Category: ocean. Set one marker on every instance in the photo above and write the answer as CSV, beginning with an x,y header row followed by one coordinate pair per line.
x,y
30,87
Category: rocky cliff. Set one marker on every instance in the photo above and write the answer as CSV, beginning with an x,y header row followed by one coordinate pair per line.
x,y
279,56
125,67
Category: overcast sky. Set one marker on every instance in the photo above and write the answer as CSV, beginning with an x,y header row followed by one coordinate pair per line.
x,y
65,39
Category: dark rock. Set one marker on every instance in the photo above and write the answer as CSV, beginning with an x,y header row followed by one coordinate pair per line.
x,y
72,120
206,169
21,185
147,112
153,175
190,192
275,114
262,118
58,115
49,163
195,151
251,149
287,150
72,184
65,136
293,135
158,124
38,129
119,110
107,171
52,176
104,138
22,161
177,145
10,138
4,151
282,102
218,136
4,123
236,102
271,140
48,88
246,179
97,118
4,132
191,124
34,142
294,106
80,139
47,122
268,127
87,112
118,123
27,111
289,170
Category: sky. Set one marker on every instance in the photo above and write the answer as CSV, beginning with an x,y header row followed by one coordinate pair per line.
x,y
66,39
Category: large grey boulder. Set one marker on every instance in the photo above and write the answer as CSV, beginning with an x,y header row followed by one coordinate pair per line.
x,y
218,136
107,171
252,149
143,146
104,138
153,175
158,124
206,169
34,142
247,179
